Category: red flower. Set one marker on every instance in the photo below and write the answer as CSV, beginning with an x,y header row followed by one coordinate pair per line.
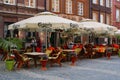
x,y
38,49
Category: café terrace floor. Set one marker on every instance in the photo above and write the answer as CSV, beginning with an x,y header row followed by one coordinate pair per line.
x,y
86,69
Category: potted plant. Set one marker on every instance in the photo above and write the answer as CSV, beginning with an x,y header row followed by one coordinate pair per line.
x,y
43,62
7,44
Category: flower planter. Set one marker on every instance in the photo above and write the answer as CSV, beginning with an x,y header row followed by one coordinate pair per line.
x,y
108,55
73,59
9,64
43,64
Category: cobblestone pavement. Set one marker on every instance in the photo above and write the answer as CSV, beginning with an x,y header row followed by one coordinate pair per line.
x,y
86,69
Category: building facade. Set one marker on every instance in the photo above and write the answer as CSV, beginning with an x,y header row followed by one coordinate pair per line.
x,y
71,9
100,10
15,10
116,13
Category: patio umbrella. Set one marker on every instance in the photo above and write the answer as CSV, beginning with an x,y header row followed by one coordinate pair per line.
x,y
91,25
44,20
112,30
117,32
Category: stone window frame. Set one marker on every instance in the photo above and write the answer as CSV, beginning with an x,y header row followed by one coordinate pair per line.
x,y
80,8
97,15
56,5
30,3
95,1
10,2
108,3
117,15
69,6
108,18
102,2
102,17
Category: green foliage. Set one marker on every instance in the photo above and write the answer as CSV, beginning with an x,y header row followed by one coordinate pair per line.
x,y
118,36
7,43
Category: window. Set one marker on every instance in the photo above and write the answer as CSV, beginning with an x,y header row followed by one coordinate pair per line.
x,y
108,19
102,20
69,6
118,15
1,1
95,16
80,8
7,32
95,1
30,3
102,2
108,3
12,2
55,5
118,0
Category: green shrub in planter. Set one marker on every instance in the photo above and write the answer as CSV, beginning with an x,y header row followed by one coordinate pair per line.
x,y
9,63
7,44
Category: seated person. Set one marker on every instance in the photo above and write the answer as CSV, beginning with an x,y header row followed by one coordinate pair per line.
x,y
70,45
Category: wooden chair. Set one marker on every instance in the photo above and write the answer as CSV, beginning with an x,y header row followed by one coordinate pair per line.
x,y
77,51
102,51
56,58
20,59
115,51
4,55
48,52
1,53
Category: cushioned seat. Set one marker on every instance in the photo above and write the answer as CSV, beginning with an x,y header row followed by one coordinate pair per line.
x,y
56,58
20,59
48,52
77,51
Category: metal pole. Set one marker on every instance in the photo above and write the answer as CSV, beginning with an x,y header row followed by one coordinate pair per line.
x,y
11,32
45,5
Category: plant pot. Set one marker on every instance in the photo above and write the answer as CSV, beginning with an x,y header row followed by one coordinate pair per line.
x,y
108,55
73,59
9,64
43,64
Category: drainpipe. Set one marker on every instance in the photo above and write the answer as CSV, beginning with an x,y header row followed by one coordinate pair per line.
x,y
45,5
90,9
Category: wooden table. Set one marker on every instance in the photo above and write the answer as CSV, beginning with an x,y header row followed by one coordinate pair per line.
x,y
35,56
73,58
68,50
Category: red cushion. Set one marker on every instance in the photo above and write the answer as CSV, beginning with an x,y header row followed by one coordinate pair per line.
x,y
51,48
38,49
115,45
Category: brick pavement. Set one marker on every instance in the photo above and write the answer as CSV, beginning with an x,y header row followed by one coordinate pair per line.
x,y
86,69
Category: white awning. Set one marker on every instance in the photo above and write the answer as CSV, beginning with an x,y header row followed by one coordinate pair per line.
x,y
44,20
